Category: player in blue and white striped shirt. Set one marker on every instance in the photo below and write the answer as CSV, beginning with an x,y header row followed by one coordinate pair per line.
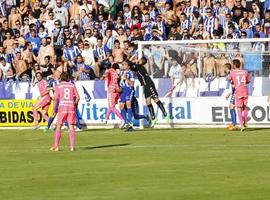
x,y
127,85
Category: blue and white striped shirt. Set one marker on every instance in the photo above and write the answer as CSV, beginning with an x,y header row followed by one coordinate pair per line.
x,y
128,74
71,53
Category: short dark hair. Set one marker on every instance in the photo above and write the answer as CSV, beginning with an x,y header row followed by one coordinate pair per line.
x,y
38,72
64,76
236,63
144,60
115,66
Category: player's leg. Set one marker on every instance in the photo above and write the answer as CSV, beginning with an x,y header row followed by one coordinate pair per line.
x,y
233,116
129,111
78,125
39,105
245,112
135,111
239,104
71,119
115,97
122,106
57,134
44,112
150,108
154,95
50,121
128,105
110,103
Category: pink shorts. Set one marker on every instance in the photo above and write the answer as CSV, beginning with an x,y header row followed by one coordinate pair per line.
x,y
44,103
69,117
240,102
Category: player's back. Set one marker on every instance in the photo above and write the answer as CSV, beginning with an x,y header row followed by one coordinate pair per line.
x,y
240,79
66,92
112,78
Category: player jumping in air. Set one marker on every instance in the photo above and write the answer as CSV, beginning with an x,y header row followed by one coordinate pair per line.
x,y
127,85
233,125
113,91
240,79
150,91
44,100
67,96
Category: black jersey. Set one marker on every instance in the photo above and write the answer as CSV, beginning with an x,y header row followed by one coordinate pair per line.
x,y
142,74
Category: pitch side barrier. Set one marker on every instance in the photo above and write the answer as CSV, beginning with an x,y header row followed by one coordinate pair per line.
x,y
193,104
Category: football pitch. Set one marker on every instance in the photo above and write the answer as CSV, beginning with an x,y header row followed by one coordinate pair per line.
x,y
167,164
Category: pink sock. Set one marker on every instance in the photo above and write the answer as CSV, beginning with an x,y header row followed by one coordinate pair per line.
x,y
72,138
118,114
108,114
57,137
45,116
240,116
245,112
35,117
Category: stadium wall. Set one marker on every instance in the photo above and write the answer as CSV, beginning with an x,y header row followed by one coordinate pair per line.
x,y
190,105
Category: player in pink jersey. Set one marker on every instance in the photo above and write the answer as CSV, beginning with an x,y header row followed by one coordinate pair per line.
x,y
66,97
44,100
113,92
240,79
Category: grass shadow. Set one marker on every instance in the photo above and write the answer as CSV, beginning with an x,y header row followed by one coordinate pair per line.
x,y
106,146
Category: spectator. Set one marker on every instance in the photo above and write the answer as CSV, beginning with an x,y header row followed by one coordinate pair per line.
x,y
45,50
175,71
35,41
82,70
6,71
61,13
21,68
237,11
47,68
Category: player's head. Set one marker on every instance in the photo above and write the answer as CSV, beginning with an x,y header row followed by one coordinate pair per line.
x,y
126,64
39,75
236,64
64,76
143,61
115,66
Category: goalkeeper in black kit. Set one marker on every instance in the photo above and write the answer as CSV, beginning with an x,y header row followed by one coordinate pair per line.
x,y
150,91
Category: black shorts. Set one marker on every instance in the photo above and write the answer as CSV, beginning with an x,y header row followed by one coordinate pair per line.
x,y
150,91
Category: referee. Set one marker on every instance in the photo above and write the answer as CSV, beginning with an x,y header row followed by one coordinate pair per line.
x,y
150,91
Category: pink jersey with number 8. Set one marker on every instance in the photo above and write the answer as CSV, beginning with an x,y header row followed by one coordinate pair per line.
x,y
66,92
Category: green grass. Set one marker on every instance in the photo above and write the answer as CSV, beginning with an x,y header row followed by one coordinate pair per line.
x,y
197,164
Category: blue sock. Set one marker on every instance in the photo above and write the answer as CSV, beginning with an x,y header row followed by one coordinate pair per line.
x,y
130,114
140,116
50,121
233,116
124,114
79,126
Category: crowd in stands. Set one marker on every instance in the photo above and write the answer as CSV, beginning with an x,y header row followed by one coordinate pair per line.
x,y
85,37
